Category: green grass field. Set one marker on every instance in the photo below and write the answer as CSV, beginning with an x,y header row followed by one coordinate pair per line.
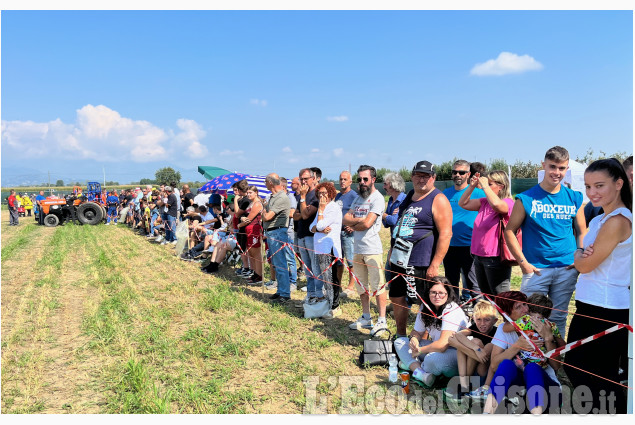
x,y
97,320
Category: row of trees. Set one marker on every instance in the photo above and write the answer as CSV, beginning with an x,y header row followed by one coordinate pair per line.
x,y
520,169
60,183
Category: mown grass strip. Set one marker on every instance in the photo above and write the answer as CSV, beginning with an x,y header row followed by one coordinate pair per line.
x,y
22,240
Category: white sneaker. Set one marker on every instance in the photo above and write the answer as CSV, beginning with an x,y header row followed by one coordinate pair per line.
x,y
107,224
362,323
379,327
293,287
164,242
303,289
272,284
173,242
426,377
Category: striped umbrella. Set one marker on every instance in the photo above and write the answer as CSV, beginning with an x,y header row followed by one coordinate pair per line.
x,y
258,181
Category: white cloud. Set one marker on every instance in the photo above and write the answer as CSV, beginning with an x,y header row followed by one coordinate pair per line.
x,y
188,140
286,149
506,63
258,102
340,118
338,151
227,152
315,150
102,134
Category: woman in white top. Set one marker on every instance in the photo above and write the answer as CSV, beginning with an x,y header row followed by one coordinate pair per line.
x,y
602,292
327,226
428,343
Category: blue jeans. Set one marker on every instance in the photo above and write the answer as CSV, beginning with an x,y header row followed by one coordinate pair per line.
x,y
558,283
347,247
313,285
435,363
152,220
291,264
534,378
275,240
170,228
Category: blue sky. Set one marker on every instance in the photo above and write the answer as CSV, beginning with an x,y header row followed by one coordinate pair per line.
x,y
262,91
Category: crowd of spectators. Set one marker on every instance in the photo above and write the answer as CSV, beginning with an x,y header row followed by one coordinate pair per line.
x,y
319,232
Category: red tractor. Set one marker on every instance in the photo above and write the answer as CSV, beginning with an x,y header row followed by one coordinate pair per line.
x,y
84,208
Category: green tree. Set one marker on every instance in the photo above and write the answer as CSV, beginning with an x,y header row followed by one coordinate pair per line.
x,y
167,175
59,183
381,173
405,173
444,170
146,181
525,170
590,156
498,164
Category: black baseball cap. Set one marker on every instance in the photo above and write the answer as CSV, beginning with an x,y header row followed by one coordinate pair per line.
x,y
423,167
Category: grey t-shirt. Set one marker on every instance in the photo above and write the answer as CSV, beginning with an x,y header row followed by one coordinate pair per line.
x,y
367,242
280,205
294,206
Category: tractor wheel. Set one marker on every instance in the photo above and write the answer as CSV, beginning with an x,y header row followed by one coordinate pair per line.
x,y
105,213
90,213
51,220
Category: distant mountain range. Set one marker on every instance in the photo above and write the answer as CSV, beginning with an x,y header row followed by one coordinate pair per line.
x,y
12,176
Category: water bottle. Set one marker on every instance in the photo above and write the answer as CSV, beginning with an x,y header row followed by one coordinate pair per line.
x,y
392,369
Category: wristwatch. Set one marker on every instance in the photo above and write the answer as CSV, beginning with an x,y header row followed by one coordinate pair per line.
x,y
302,200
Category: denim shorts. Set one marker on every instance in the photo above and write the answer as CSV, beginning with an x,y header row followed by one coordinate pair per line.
x,y
347,247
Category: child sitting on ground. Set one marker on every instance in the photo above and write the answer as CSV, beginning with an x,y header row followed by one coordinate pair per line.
x,y
540,309
474,347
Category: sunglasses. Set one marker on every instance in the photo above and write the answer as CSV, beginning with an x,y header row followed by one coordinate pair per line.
x,y
363,179
459,172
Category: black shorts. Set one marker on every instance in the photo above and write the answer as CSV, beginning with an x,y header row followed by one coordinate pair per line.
x,y
415,277
241,239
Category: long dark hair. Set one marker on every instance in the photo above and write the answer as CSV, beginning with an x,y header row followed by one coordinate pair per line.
x,y
615,170
428,320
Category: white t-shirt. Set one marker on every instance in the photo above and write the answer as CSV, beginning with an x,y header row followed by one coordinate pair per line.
x,y
178,198
201,199
324,242
453,319
205,217
367,241
608,284
505,340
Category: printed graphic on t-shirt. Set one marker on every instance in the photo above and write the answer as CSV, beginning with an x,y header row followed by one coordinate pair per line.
x,y
408,222
360,211
558,212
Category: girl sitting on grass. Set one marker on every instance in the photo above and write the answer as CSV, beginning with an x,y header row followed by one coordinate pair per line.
x,y
474,347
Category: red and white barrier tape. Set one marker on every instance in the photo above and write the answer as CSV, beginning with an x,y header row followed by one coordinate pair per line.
x,y
516,327
570,346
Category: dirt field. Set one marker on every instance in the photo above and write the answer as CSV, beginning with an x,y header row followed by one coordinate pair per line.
x,y
97,320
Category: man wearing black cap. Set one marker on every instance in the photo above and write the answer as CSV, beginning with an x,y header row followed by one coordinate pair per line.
x,y
426,221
